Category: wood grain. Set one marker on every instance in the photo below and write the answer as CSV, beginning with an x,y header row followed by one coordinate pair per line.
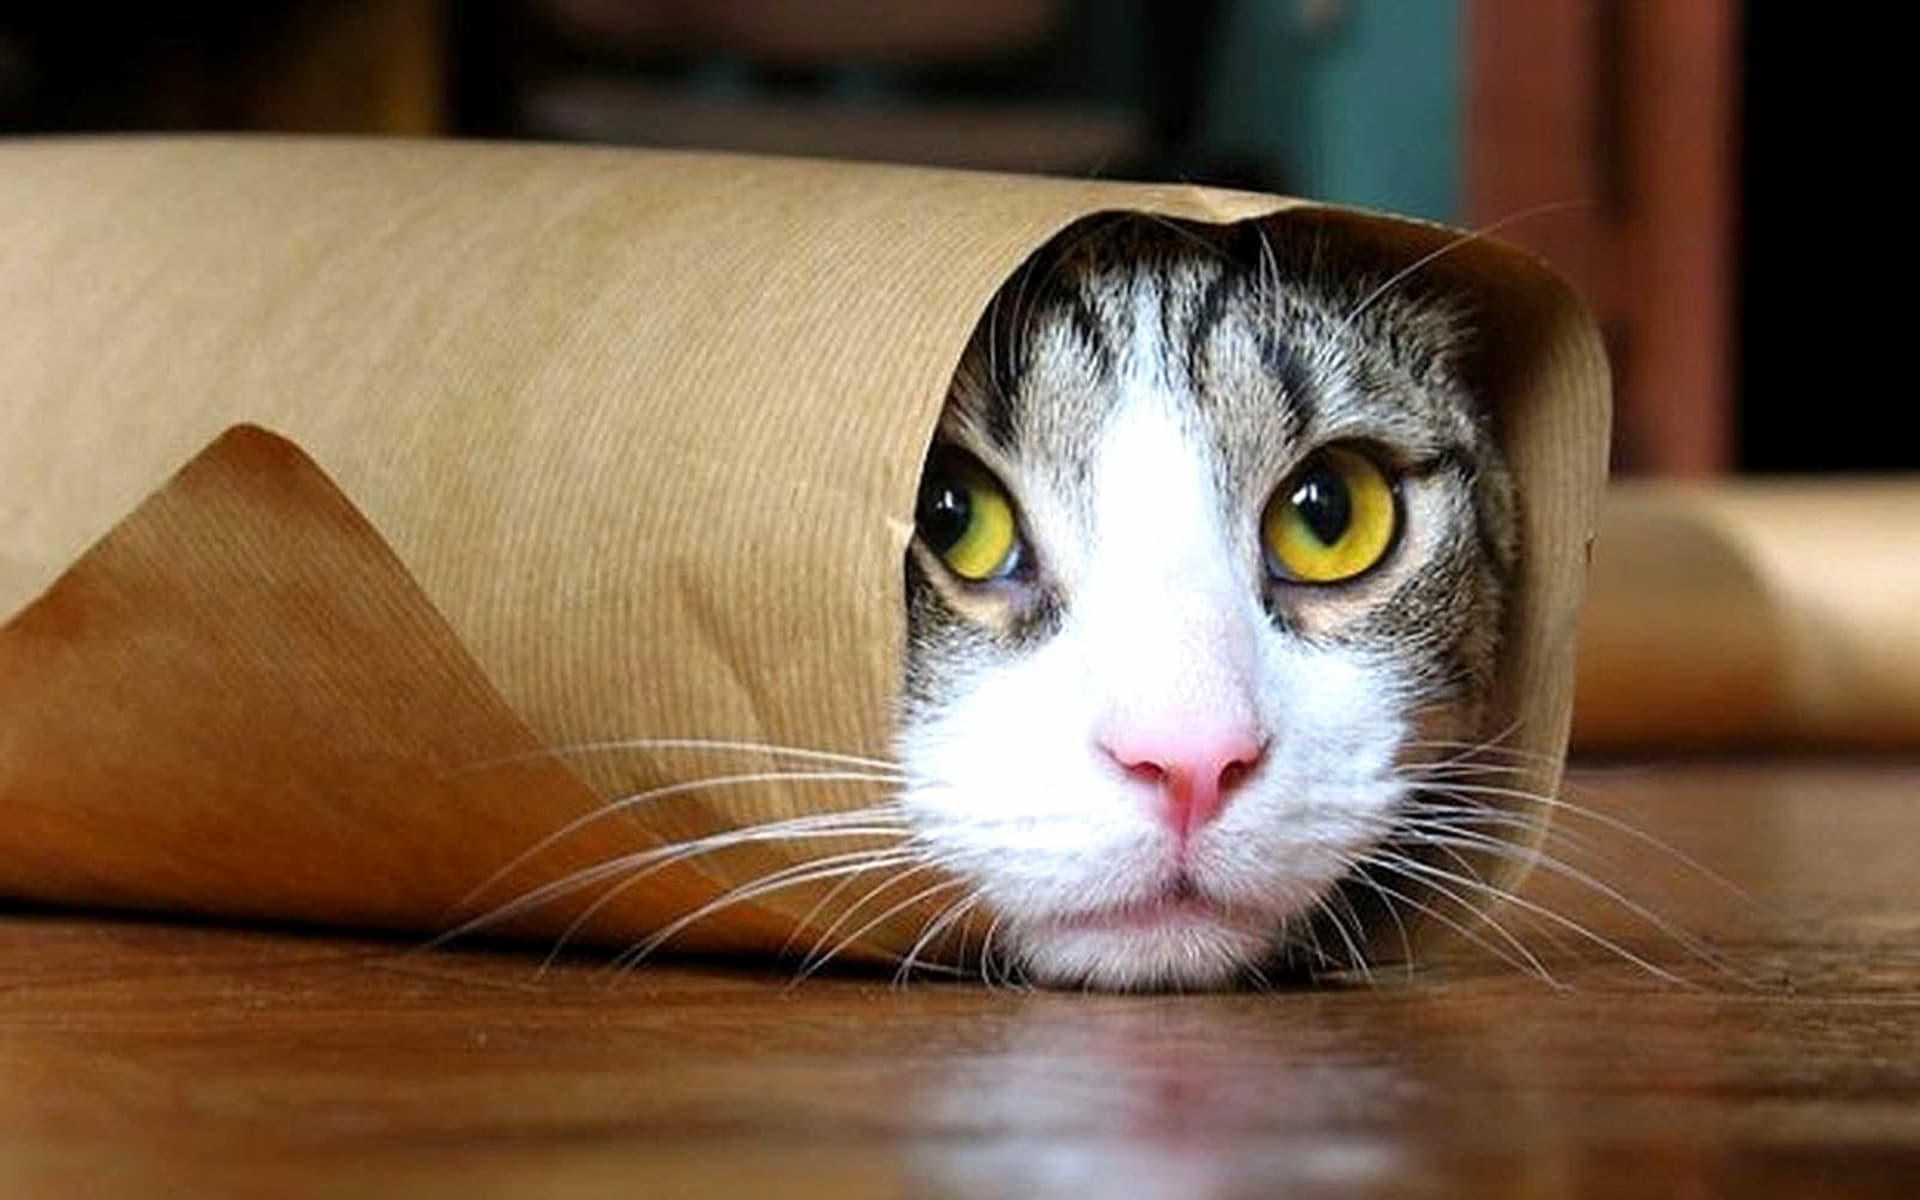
x,y
149,1059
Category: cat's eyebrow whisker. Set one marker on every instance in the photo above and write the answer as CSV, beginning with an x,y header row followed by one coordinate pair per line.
x,y
714,745
655,858
1464,239
991,323
1019,313
1213,249
684,787
1267,278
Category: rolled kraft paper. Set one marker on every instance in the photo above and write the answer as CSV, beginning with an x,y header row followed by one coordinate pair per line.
x,y
1751,614
207,731
603,444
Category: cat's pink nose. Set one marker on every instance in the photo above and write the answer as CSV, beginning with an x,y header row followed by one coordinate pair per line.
x,y
1196,771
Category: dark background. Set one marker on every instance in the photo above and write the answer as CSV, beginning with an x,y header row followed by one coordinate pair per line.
x,y
1802,374
1824,360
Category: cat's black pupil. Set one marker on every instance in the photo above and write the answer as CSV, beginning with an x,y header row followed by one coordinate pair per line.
x,y
1324,504
944,513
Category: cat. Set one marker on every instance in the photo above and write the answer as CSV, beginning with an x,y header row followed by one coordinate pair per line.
x,y
1212,551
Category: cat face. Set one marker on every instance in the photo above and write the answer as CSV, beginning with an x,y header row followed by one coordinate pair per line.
x,y
1210,542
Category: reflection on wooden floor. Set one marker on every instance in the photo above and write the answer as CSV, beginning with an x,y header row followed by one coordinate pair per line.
x,y
143,1058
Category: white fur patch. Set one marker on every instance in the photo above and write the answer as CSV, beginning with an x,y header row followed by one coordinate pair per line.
x,y
1164,623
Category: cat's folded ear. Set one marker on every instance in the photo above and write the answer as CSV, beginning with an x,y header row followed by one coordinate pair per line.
x,y
569,446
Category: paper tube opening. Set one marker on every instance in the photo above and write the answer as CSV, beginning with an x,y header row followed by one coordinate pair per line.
x,y
1533,359
586,400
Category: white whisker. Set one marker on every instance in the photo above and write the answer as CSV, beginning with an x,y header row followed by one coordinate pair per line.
x,y
846,915
648,861
986,952
1557,866
613,893
1527,963
684,787
714,745
1465,793
794,876
1520,833
1356,958
1450,769
934,927
1389,859
1412,868
808,969
1453,244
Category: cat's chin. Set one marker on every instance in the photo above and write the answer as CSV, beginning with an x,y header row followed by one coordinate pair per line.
x,y
1142,950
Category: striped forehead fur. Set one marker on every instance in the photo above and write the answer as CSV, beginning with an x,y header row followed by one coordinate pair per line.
x,y
1280,343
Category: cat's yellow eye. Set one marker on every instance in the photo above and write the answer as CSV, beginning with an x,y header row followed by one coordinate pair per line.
x,y
967,518
1332,520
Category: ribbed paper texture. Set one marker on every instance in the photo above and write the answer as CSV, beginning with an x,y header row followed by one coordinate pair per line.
x,y
626,443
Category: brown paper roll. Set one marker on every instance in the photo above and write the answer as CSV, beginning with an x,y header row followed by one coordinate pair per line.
x,y
630,439
1761,613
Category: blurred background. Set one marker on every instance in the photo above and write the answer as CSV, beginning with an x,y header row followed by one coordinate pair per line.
x,y
1693,166
1617,136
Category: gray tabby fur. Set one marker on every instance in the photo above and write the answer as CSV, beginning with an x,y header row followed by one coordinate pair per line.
x,y
1266,345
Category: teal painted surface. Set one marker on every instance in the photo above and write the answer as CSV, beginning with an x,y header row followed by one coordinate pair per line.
x,y
1366,110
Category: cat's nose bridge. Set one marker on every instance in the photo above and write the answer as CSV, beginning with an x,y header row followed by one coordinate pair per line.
x,y
1189,644
1178,702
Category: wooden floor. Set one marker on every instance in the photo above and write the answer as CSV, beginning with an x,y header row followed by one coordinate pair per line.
x,y
145,1058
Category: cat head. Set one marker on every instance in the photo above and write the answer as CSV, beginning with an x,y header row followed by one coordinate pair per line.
x,y
1212,543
